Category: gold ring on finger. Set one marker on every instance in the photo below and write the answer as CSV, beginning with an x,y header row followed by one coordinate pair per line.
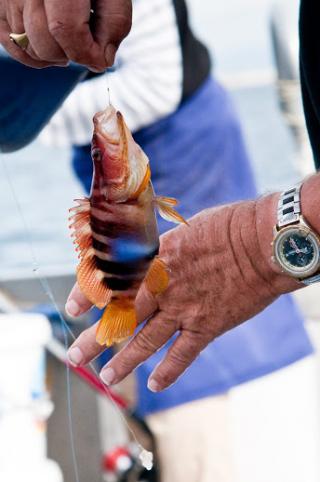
x,y
20,39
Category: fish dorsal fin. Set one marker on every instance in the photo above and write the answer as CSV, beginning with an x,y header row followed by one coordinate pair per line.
x,y
118,322
157,278
80,225
166,210
90,279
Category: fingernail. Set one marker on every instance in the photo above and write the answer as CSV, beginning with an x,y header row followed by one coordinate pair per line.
x,y
107,375
75,356
72,308
153,386
96,70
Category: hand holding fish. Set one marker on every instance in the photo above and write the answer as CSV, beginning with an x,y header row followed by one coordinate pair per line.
x,y
56,32
220,276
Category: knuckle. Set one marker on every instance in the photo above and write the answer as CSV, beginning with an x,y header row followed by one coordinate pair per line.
x,y
179,358
59,28
84,337
143,344
124,364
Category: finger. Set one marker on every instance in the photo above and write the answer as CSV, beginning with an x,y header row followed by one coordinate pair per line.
x,y
85,348
180,355
145,304
71,30
41,43
77,304
153,336
112,23
15,51
16,22
15,16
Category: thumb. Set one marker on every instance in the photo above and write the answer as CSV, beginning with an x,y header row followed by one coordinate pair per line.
x,y
112,23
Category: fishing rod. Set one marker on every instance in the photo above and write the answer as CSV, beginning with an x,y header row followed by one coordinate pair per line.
x,y
57,349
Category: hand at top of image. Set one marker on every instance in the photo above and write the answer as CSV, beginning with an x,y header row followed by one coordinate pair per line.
x,y
58,32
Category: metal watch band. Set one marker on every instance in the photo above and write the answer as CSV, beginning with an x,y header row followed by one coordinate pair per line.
x,y
289,212
311,280
289,209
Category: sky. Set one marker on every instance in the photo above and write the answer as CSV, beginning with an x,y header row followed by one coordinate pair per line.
x,y
238,31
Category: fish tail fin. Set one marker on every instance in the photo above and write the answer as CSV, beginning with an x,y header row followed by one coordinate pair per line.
x,y
118,322
166,210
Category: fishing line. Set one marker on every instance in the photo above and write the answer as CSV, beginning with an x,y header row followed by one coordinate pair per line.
x,y
145,456
108,90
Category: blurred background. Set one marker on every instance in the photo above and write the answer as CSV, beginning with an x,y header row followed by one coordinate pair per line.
x,y
245,44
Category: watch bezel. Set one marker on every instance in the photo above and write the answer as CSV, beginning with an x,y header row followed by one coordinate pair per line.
x,y
296,272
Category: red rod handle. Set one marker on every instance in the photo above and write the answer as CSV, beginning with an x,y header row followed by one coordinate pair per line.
x,y
97,385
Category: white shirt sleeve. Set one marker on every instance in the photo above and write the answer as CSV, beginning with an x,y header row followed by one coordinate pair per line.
x,y
146,86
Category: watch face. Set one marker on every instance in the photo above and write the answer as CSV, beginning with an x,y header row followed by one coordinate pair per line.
x,y
297,251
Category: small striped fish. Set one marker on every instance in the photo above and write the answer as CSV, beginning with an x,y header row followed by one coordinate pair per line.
x,y
115,229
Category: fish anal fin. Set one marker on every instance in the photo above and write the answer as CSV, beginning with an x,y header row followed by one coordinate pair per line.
x,y
157,278
91,282
118,322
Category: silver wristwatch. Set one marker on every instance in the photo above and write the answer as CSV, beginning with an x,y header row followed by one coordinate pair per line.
x,y
296,247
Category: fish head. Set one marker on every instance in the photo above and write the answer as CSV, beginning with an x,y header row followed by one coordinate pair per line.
x,y
120,165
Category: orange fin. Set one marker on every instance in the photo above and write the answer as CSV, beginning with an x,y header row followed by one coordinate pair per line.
x,y
169,201
92,283
167,212
157,278
118,322
80,225
144,183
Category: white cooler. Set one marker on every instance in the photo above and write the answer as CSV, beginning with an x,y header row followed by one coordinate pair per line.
x,y
24,407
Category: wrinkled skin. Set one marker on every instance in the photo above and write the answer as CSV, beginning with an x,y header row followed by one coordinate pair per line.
x,y
59,31
221,274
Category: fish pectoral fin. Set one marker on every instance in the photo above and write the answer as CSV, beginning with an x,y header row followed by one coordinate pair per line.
x,y
169,201
166,210
157,278
118,322
91,282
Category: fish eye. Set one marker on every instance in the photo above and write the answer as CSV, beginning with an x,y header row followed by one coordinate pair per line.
x,y
96,154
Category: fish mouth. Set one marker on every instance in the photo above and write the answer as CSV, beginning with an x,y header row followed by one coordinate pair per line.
x,y
106,124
